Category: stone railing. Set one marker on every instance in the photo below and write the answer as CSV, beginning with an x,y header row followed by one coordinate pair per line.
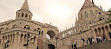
x,y
19,29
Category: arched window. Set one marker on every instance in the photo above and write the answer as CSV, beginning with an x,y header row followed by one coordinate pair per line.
x,y
21,35
99,12
86,14
26,15
26,27
39,32
22,14
42,32
38,29
34,29
91,13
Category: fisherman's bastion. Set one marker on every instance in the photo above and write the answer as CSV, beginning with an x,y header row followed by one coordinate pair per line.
x,y
25,33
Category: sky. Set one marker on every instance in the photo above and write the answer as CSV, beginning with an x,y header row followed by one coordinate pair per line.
x,y
60,13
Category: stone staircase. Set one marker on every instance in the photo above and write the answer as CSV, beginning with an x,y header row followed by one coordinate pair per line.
x,y
104,45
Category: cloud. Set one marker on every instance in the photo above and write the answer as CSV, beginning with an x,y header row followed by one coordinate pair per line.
x,y
39,9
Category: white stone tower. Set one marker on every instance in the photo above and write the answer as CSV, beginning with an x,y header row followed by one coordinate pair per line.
x,y
24,13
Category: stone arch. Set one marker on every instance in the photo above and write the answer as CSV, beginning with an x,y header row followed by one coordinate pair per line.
x,y
26,15
99,29
51,34
106,27
21,35
96,32
25,37
51,46
22,14
110,26
103,30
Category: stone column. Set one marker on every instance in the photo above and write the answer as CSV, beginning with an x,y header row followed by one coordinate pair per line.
x,y
2,43
106,32
98,33
109,30
19,41
101,32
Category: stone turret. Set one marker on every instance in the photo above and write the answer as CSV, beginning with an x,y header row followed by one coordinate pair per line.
x,y
24,13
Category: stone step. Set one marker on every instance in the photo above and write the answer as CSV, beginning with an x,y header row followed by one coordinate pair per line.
x,y
104,45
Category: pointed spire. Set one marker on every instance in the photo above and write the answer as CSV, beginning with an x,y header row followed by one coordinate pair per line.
x,y
101,7
93,1
87,3
25,6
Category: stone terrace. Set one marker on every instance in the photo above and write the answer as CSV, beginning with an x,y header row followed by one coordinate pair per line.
x,y
104,45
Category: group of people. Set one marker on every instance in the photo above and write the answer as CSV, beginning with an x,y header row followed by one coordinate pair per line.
x,y
101,39
91,40
74,45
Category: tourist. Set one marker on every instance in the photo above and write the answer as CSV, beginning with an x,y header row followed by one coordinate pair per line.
x,y
87,42
75,45
93,41
97,39
72,46
83,40
100,39
104,38
110,35
90,40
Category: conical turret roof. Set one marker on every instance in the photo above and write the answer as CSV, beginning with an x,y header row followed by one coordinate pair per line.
x,y
25,6
87,3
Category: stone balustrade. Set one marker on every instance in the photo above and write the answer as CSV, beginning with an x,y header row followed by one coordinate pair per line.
x,y
19,29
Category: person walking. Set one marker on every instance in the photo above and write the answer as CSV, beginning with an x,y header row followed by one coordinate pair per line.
x,y
83,40
110,35
75,45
